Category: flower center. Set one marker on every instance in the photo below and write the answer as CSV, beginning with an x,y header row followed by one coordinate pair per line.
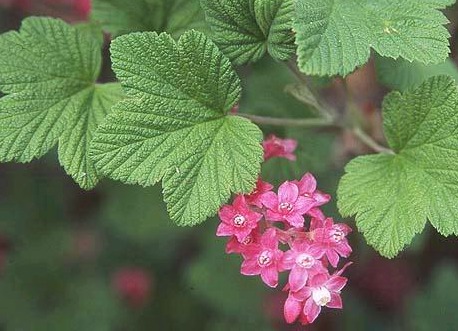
x,y
305,261
337,235
321,296
265,258
248,240
239,221
286,206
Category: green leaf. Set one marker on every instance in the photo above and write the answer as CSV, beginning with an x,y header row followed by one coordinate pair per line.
x,y
48,71
174,16
401,74
392,196
74,142
336,36
245,30
176,126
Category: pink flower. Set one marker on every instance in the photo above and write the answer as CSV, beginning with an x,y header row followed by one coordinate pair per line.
x,y
276,147
322,290
255,197
234,246
303,260
133,285
263,258
331,239
237,219
288,206
307,188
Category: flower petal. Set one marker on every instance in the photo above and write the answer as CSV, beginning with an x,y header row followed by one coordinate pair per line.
x,y
288,260
289,145
274,216
250,267
333,257
270,200
240,204
303,205
288,192
336,283
226,213
233,246
224,230
297,278
312,310
319,280
242,233
316,223
303,294
336,301
292,309
269,239
321,198
307,184
295,220
269,275
317,214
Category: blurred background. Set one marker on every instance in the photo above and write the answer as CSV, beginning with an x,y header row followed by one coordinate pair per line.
x,y
110,259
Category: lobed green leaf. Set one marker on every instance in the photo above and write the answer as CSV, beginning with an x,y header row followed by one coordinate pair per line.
x,y
401,74
245,30
336,36
392,196
48,70
176,126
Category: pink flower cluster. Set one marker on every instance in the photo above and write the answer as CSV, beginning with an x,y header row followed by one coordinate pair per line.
x,y
270,231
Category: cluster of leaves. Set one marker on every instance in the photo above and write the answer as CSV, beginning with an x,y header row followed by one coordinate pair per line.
x,y
171,120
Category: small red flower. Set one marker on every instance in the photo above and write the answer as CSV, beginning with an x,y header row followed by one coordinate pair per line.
x,y
331,239
321,290
255,197
287,206
304,261
276,147
263,258
307,188
237,219
133,285
235,246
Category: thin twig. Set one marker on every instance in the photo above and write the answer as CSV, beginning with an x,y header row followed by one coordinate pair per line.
x,y
367,140
311,94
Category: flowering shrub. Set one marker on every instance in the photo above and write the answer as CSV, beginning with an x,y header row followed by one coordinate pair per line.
x,y
176,113
271,234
